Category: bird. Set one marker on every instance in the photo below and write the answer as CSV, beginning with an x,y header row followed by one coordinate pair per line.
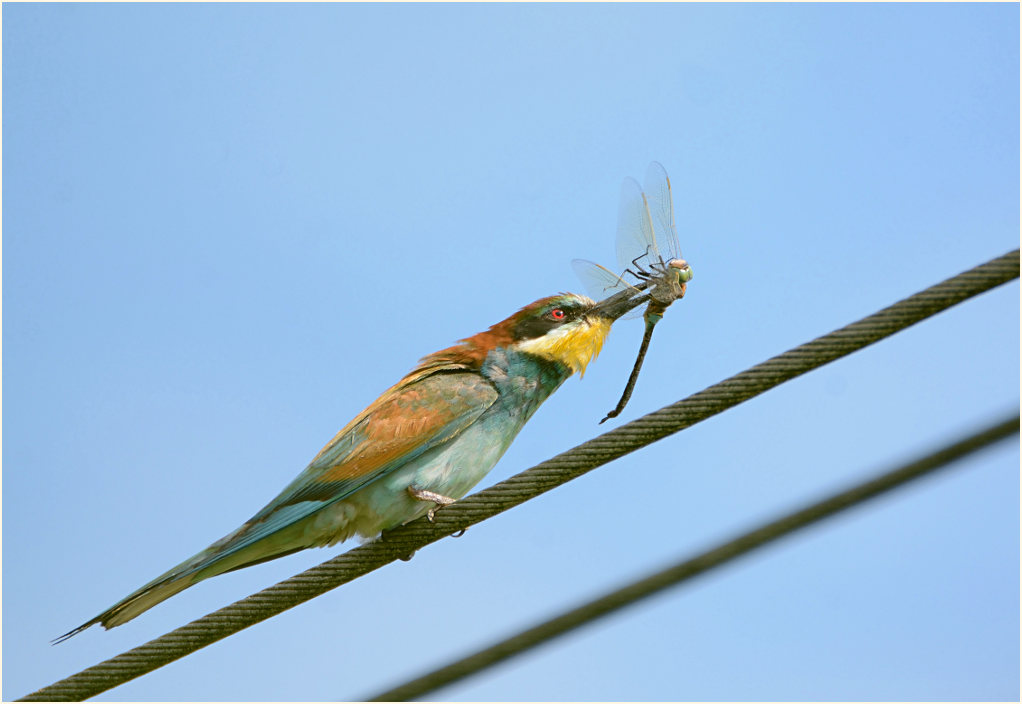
x,y
424,443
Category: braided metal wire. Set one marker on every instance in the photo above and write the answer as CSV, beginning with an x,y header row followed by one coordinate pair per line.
x,y
693,567
403,541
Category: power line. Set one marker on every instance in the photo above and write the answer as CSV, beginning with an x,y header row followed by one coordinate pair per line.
x,y
693,567
404,541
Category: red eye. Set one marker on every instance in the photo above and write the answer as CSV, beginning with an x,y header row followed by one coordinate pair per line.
x,y
557,314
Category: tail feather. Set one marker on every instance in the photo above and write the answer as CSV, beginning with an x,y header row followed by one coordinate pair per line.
x,y
220,557
147,596
132,606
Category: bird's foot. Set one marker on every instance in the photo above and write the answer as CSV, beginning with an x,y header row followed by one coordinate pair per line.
x,y
427,495
405,558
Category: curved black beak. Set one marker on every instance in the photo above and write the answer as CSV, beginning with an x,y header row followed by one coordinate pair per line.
x,y
620,303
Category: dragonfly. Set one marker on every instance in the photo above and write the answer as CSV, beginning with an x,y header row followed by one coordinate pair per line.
x,y
651,265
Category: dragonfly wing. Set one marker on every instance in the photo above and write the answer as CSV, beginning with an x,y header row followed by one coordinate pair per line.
x,y
661,208
601,282
635,241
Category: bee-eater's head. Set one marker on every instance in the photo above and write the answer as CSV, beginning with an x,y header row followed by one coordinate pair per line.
x,y
561,328
566,328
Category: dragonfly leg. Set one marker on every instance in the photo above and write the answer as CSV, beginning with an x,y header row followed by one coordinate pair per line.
x,y
635,262
639,273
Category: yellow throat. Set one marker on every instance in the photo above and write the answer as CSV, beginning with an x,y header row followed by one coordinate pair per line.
x,y
574,346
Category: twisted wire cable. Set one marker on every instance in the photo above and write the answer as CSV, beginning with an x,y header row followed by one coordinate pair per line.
x,y
682,571
404,541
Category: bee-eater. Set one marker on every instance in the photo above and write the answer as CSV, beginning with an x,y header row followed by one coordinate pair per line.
x,y
424,443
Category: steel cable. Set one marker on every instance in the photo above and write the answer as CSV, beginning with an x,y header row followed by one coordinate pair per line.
x,y
693,567
404,541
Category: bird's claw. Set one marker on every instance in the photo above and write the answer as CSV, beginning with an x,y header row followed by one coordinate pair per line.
x,y
439,501
426,495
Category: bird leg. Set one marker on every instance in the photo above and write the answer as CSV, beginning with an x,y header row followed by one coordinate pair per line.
x,y
384,536
426,495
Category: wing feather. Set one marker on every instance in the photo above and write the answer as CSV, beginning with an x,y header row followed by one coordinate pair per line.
x,y
421,412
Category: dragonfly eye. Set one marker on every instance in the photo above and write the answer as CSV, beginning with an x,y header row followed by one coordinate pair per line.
x,y
684,270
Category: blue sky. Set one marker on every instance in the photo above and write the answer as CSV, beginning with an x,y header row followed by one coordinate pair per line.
x,y
228,228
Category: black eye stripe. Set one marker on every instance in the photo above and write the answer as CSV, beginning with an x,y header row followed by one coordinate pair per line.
x,y
535,327
543,322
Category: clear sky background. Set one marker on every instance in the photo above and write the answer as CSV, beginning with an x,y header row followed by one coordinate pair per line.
x,y
228,228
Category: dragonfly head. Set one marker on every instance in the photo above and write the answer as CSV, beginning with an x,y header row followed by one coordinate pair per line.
x,y
683,269
671,282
